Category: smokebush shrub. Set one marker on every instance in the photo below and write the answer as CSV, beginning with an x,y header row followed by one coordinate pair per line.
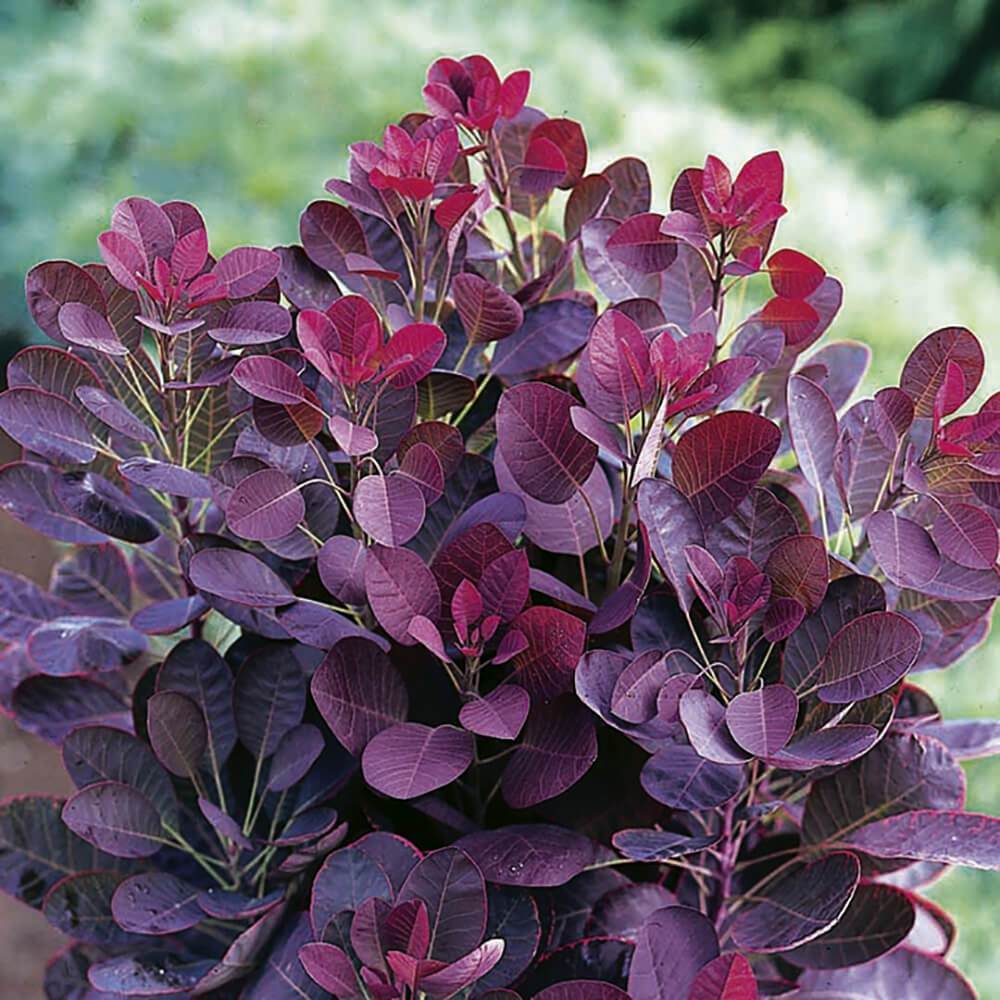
x,y
475,600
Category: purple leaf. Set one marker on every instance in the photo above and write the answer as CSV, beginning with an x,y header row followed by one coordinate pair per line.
x,y
240,577
903,972
470,968
837,745
867,656
966,535
672,525
603,434
615,278
251,323
399,588
718,461
341,566
812,424
353,439
618,357
359,693
500,714
389,508
82,644
704,721
24,606
763,721
269,697
246,270
234,905
268,378
45,423
329,967
150,974
49,285
166,478
535,854
558,746
800,905
659,845
673,945
224,824
620,606
347,878
678,777
51,707
412,759
114,414
264,506
177,732
955,838
926,367
547,456
967,739
639,244
85,327
156,903
799,568
451,886
115,818
903,549
728,977
636,690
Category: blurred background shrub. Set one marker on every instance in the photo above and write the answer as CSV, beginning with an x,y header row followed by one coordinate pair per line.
x,y
887,116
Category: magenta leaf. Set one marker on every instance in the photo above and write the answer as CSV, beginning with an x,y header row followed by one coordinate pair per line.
x,y
728,977
763,721
412,759
399,587
500,714
545,453
639,244
556,642
672,946
461,973
270,379
719,461
867,656
410,354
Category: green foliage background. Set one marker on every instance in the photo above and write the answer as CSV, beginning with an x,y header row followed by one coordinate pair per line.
x,y
887,116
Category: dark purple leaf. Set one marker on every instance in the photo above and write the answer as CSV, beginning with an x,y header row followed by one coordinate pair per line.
x,y
296,753
967,739
551,332
487,312
80,906
412,759
558,746
836,745
330,968
926,367
177,732
763,721
500,714
877,919
249,323
582,989
48,286
812,424
637,689
512,916
615,278
166,617
556,642
156,903
798,567
116,818
115,414
234,905
867,656
51,707
166,478
678,777
224,824
452,888
25,606
269,697
341,566
801,904
151,974
246,270
358,692
966,535
672,946
620,606
718,462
